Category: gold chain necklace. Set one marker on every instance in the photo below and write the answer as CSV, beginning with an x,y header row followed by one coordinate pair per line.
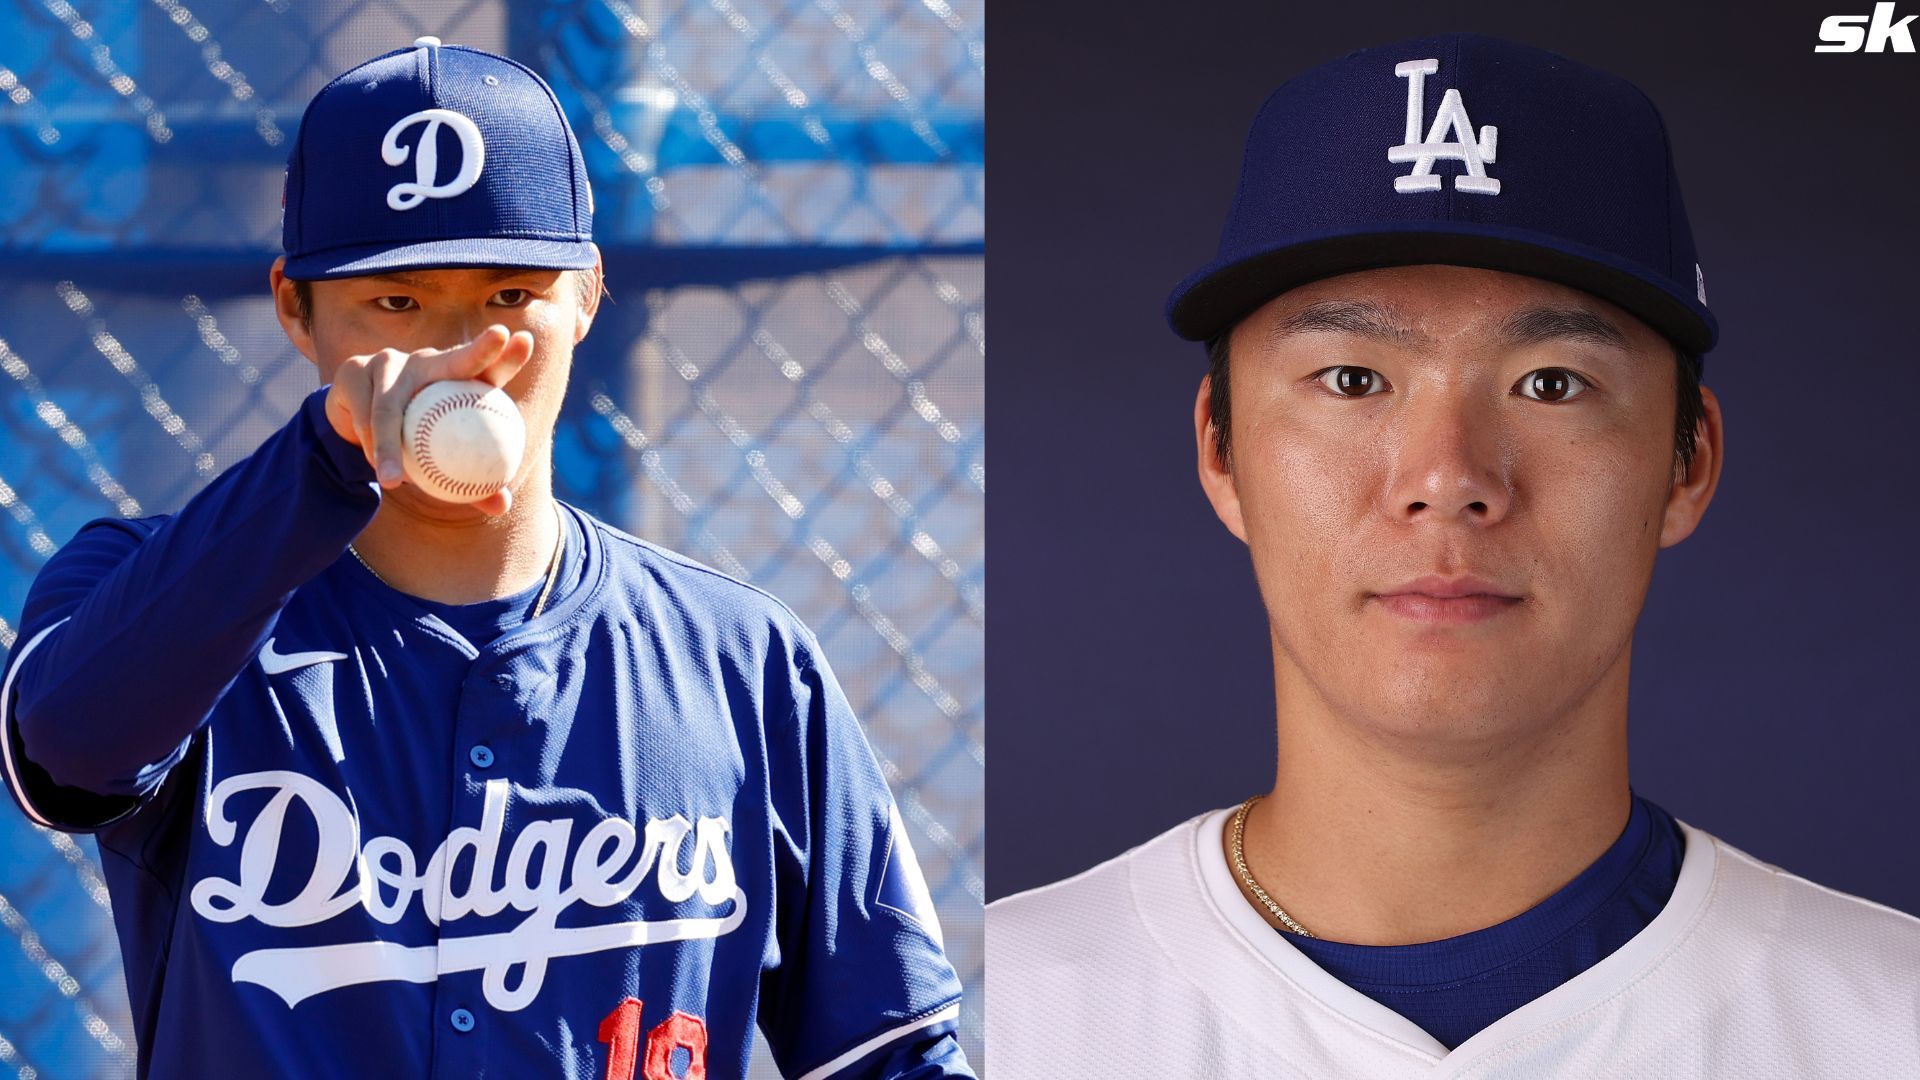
x,y
1246,874
553,568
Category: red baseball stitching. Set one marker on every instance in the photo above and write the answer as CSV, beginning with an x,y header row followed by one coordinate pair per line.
x,y
428,466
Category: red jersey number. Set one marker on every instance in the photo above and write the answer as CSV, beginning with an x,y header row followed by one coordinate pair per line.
x,y
621,1032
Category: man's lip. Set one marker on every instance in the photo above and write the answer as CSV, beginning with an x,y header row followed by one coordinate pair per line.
x,y
1449,588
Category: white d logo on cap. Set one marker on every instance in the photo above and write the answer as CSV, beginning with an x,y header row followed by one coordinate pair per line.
x,y
426,163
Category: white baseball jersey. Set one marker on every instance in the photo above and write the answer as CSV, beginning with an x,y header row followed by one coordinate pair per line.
x,y
1153,964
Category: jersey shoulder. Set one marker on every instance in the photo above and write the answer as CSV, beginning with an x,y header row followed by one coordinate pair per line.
x,y
1820,931
115,532
1084,973
1085,924
94,550
692,590
140,526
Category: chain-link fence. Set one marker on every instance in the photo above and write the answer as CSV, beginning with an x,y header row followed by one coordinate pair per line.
x,y
788,384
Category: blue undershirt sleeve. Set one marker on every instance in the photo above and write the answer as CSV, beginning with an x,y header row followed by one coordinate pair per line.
x,y
135,629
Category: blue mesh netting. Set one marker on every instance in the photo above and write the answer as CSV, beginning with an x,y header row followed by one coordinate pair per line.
x,y
788,384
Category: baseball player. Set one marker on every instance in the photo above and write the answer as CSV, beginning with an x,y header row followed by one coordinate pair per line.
x,y
389,786
1453,409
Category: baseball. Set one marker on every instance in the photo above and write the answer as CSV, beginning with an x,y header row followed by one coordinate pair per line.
x,y
464,439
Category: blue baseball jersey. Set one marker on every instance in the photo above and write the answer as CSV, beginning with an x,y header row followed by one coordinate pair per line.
x,y
344,838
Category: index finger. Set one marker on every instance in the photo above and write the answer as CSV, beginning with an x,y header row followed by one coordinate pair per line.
x,y
509,360
462,361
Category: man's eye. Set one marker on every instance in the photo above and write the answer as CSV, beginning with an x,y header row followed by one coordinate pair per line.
x,y
512,297
1349,381
395,303
1551,384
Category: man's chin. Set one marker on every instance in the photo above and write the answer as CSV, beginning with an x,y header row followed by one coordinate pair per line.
x,y
1459,697
1453,735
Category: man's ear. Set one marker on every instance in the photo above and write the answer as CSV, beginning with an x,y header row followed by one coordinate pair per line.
x,y
1687,500
1216,469
286,308
590,304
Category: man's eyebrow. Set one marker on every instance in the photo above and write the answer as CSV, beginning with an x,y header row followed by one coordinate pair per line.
x,y
1536,325
1360,317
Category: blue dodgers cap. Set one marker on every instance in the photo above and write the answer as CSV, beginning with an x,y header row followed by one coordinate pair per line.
x,y
435,156
1460,149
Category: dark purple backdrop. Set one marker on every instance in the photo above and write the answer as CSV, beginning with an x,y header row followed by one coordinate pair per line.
x,y
1127,650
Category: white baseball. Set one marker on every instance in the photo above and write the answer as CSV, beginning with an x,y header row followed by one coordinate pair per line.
x,y
464,439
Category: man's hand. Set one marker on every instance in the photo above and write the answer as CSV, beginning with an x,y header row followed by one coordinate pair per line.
x,y
370,395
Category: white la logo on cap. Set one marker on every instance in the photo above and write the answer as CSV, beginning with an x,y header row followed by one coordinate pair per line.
x,y
1452,117
426,163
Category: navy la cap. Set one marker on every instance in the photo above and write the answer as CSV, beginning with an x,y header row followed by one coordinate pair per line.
x,y
1460,149
435,156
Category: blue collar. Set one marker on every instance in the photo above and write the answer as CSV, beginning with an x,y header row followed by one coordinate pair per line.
x,y
1458,985
483,622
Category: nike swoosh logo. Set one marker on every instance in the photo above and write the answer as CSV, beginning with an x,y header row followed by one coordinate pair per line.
x,y
276,663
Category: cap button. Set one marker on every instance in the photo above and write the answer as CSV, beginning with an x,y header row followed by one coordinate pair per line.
x,y
426,43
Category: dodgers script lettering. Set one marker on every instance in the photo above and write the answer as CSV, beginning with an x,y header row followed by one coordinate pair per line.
x,y
347,874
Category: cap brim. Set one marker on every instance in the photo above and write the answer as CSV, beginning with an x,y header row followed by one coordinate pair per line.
x,y
1227,290
442,255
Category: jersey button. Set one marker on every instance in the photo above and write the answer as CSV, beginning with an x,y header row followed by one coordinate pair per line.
x,y
462,1020
480,756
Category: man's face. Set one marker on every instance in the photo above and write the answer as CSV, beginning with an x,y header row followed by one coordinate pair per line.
x,y
439,309
1404,433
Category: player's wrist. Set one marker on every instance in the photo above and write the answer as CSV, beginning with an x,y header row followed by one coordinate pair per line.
x,y
344,460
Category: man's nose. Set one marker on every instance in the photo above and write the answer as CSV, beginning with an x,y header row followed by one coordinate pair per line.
x,y
1450,464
